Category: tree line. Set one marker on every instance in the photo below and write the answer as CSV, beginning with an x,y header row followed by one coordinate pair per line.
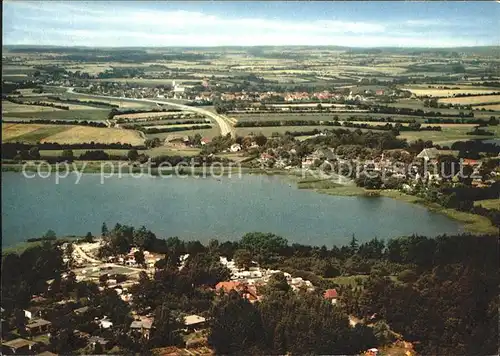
x,y
37,103
60,122
87,102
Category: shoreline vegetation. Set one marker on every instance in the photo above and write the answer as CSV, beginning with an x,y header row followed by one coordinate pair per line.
x,y
472,223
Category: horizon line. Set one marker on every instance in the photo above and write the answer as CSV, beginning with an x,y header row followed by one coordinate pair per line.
x,y
245,46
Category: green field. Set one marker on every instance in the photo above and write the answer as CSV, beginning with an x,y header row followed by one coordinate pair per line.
x,y
268,131
90,114
331,116
214,131
448,134
489,203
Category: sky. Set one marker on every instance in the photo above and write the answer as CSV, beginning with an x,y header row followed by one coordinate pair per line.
x,y
241,23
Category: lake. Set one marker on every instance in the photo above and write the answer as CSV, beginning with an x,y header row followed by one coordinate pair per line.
x,y
205,208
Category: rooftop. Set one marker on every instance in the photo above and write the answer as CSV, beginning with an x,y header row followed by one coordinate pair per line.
x,y
81,310
47,353
330,294
193,320
37,323
18,343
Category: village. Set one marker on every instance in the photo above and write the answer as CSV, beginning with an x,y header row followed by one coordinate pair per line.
x,y
120,273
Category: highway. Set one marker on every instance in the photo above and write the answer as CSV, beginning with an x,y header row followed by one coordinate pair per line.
x,y
224,126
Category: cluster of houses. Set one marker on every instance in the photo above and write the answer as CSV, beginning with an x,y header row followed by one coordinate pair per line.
x,y
249,282
404,168
341,94
129,259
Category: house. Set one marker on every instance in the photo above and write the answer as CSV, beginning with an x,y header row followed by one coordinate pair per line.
x,y
372,352
28,314
142,326
323,153
38,299
228,286
205,140
235,147
38,326
81,334
105,323
193,322
104,343
18,347
307,162
81,310
177,141
265,157
246,291
331,294
47,353
470,162
429,154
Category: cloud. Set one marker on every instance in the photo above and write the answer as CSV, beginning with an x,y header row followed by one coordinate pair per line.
x,y
123,24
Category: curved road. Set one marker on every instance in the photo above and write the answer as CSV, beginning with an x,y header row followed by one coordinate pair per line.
x,y
224,125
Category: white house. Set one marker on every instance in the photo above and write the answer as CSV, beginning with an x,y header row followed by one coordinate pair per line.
x,y
235,147
105,323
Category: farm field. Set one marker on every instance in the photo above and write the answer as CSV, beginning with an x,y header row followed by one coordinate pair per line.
x,y
471,100
77,134
210,133
150,82
90,114
268,131
447,92
10,107
170,151
143,115
331,116
67,134
495,107
488,203
78,152
448,134
123,104
30,133
170,126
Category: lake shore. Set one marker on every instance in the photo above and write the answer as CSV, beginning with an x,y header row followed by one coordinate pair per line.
x,y
472,222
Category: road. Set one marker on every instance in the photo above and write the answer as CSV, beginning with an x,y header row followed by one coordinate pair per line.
x,y
83,255
92,260
224,126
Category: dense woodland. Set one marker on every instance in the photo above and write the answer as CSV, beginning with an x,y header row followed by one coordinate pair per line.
x,y
439,293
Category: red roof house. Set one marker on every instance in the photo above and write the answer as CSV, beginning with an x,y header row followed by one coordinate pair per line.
x,y
330,294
